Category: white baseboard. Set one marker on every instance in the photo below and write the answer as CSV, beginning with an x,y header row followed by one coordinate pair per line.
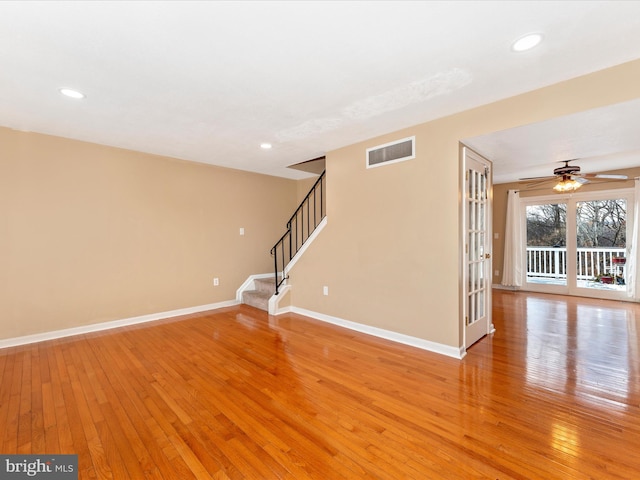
x,y
358,327
97,327
440,348
280,311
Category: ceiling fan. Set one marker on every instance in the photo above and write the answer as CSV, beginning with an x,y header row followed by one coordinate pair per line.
x,y
570,179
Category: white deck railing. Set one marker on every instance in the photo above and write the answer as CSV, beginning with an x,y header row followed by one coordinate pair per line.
x,y
551,262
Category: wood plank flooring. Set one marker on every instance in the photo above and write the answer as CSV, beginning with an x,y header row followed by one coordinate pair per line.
x,y
236,394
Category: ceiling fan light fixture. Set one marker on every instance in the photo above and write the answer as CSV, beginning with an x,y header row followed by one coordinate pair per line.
x,y
567,184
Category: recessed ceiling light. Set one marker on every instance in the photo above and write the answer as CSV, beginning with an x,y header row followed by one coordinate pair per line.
x,y
527,42
265,146
68,92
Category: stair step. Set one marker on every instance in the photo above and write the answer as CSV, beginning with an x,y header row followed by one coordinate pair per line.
x,y
266,285
264,290
257,299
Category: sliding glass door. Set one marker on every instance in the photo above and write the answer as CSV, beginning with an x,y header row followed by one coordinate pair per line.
x,y
601,240
577,244
546,252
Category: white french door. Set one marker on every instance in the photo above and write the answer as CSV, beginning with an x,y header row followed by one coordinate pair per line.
x,y
477,247
577,244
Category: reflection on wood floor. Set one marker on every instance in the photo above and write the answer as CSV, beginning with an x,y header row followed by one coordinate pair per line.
x,y
236,394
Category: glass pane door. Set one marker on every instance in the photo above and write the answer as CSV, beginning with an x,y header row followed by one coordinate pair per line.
x,y
476,265
477,248
601,239
546,254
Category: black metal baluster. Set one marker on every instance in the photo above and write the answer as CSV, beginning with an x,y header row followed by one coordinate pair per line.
x,y
315,222
322,197
308,218
288,230
296,243
275,261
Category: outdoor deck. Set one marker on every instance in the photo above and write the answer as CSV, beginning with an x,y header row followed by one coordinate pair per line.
x,y
548,266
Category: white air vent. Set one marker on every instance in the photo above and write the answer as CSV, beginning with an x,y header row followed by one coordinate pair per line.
x,y
393,152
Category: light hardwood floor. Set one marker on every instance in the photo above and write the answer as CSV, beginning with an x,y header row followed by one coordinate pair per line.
x,y
234,393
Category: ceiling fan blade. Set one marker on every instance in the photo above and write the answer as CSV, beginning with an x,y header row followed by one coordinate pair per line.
x,y
534,183
581,180
611,177
528,179
607,176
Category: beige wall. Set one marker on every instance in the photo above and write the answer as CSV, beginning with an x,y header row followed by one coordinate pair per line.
x,y
90,233
303,187
390,253
500,207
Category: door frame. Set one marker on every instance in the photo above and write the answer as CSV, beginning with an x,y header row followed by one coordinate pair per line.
x,y
488,327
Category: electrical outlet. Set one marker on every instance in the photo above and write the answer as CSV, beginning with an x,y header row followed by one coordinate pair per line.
x,y
216,282
241,230
325,290
497,273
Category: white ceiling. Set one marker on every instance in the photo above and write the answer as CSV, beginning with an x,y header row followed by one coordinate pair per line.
x,y
600,140
210,81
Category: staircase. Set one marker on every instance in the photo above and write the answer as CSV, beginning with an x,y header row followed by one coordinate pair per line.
x,y
259,298
300,226
307,217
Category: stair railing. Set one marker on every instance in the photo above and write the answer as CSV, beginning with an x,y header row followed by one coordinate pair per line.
x,y
300,226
